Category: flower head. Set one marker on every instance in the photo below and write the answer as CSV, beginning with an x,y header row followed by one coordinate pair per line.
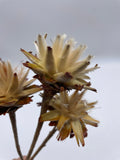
x,y
60,62
15,89
71,114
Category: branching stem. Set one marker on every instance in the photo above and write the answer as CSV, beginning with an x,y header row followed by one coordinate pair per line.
x,y
51,133
44,106
36,135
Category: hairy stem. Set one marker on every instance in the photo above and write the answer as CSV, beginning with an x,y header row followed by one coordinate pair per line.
x,y
51,133
14,128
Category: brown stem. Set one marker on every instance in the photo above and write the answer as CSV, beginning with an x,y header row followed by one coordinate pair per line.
x,y
51,133
14,128
46,98
36,135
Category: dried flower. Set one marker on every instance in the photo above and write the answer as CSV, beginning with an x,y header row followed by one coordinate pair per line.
x,y
14,88
59,63
71,114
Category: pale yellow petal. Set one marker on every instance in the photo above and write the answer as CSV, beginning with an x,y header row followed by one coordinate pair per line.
x,y
9,71
71,42
77,129
63,58
58,105
42,46
2,72
81,80
89,107
58,45
50,62
30,90
73,97
32,58
80,96
23,78
74,83
75,54
6,76
28,82
63,77
90,69
14,85
64,97
36,46
37,69
83,128
64,132
90,88
62,121
92,103
82,76
80,67
89,120
50,116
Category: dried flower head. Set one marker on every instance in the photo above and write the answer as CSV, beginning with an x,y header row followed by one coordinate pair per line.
x,y
71,114
59,63
14,88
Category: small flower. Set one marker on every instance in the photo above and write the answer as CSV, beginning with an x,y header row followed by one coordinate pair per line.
x,y
71,114
60,62
14,88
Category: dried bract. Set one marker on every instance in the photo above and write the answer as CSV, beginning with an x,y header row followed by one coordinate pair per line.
x,y
60,62
71,114
15,88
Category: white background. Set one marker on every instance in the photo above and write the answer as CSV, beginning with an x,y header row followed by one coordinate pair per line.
x,y
92,22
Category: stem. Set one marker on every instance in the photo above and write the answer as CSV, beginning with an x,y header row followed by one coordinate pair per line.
x,y
14,128
45,102
36,135
51,133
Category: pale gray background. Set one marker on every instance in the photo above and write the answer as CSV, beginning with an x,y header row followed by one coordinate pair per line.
x,y
92,22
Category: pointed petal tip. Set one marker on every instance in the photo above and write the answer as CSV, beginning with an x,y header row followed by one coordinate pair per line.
x,y
45,36
58,137
49,48
90,57
90,88
78,143
22,50
94,90
15,74
96,66
83,144
64,35
39,35
96,124
26,64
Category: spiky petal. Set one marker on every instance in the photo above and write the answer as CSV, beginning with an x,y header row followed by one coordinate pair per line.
x,y
60,59
71,115
15,89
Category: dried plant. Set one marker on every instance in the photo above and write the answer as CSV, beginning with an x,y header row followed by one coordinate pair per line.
x,y
59,71
70,113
